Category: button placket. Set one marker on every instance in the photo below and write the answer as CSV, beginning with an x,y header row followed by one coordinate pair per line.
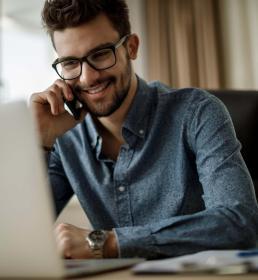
x,y
121,188
123,203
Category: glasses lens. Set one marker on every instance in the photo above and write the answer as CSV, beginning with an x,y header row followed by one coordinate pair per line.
x,y
102,59
69,69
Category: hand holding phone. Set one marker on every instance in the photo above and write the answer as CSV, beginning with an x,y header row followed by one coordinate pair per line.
x,y
73,107
52,122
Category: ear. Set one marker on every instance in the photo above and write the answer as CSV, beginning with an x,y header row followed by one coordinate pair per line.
x,y
132,46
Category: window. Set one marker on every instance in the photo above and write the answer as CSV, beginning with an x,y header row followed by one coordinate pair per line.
x,y
25,53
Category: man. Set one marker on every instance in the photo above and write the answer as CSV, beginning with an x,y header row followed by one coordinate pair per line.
x,y
158,169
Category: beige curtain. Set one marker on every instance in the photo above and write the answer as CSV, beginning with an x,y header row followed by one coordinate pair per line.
x,y
239,41
182,42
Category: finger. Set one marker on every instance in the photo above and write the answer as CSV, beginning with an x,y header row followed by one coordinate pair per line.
x,y
65,247
80,252
39,97
54,96
64,240
66,89
61,227
47,97
57,92
53,101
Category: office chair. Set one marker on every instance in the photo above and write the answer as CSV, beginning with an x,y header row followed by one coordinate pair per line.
x,y
243,109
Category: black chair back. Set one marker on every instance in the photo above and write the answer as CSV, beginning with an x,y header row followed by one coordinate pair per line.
x,y
243,109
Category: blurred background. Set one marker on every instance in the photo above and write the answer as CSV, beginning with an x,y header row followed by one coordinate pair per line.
x,y
25,52
202,43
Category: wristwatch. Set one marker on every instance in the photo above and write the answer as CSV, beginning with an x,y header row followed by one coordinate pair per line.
x,y
96,240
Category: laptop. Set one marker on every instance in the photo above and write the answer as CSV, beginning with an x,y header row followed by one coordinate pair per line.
x,y
27,242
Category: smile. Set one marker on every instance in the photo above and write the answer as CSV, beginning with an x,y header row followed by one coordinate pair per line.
x,y
99,88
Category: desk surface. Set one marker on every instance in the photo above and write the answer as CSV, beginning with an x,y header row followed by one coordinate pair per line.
x,y
126,274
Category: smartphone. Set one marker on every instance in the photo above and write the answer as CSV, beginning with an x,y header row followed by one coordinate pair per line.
x,y
73,107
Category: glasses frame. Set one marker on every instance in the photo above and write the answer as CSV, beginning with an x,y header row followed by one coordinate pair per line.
x,y
112,47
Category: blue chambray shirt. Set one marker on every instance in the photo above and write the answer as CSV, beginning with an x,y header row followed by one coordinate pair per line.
x,y
179,184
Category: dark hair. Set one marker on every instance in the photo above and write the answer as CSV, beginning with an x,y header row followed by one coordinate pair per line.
x,y
61,14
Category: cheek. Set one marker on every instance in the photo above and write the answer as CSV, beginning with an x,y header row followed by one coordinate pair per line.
x,y
125,69
122,61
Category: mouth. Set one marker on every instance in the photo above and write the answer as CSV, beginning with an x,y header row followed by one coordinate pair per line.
x,y
98,89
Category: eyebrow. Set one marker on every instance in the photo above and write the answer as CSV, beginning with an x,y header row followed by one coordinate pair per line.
x,y
99,47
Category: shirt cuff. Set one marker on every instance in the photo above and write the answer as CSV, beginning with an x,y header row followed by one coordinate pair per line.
x,y
135,242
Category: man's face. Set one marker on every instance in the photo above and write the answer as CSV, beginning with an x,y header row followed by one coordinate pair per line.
x,y
101,91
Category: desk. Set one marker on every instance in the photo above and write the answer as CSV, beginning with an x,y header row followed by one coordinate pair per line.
x,y
126,274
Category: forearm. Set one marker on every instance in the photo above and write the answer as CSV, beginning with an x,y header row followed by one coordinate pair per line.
x,y
110,249
60,186
221,228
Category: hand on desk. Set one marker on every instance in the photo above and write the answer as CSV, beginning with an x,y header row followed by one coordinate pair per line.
x,y
71,243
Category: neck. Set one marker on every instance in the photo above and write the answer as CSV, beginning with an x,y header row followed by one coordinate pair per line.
x,y
113,123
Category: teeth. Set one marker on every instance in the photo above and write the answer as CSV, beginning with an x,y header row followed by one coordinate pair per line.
x,y
97,89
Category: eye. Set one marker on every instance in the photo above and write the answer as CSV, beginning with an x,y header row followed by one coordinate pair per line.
x,y
70,64
101,55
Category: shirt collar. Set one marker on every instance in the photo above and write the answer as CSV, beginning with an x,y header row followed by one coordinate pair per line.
x,y
94,136
137,119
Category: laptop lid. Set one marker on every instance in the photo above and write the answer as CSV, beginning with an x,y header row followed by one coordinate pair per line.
x,y
27,244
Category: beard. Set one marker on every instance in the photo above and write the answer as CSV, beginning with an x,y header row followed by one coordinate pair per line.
x,y
106,108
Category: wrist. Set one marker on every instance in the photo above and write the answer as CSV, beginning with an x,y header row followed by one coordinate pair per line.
x,y
110,249
48,140
48,145
47,149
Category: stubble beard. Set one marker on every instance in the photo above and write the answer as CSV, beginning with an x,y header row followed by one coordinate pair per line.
x,y
104,109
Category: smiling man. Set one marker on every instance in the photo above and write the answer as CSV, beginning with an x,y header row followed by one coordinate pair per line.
x,y
158,171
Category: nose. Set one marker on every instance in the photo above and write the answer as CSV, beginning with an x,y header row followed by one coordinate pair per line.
x,y
89,75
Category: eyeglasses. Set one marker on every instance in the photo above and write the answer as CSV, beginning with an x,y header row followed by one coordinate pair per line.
x,y
70,68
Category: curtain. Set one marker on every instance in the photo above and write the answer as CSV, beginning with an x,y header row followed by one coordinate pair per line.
x,y
182,39
239,40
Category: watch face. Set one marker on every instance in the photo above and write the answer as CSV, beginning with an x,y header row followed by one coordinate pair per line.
x,y
96,240
97,235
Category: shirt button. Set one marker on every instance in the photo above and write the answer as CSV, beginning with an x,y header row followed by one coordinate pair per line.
x,y
121,188
141,131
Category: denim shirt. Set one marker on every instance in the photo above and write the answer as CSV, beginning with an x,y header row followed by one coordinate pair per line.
x,y
179,184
